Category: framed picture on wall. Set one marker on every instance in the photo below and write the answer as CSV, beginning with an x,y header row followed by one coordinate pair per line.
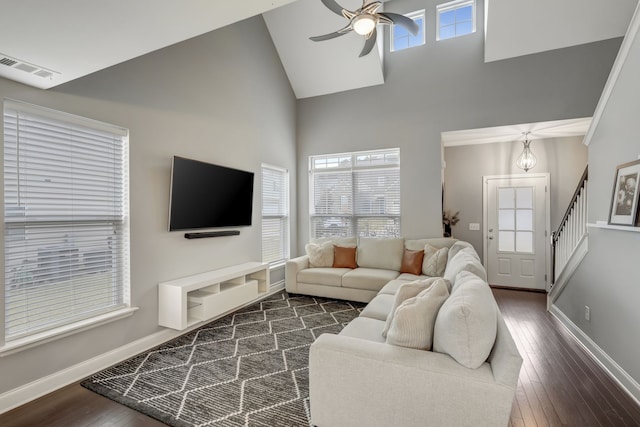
x,y
624,200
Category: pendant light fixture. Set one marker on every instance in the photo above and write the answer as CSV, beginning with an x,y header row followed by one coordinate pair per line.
x,y
526,160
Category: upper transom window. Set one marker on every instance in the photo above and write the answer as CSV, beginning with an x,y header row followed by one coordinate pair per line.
x,y
401,38
456,18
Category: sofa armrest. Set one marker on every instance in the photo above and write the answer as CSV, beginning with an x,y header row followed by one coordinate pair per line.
x,y
379,384
293,266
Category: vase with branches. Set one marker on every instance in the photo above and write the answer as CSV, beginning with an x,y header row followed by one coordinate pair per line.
x,y
448,221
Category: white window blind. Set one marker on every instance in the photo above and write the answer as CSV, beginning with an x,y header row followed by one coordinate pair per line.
x,y
275,214
355,194
66,219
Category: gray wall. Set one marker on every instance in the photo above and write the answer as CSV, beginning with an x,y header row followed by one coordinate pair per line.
x,y
223,98
444,86
608,280
563,158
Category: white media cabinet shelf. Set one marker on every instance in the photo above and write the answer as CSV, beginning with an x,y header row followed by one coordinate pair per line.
x,y
193,299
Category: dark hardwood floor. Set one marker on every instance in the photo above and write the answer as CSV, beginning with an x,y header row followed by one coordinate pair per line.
x,y
559,383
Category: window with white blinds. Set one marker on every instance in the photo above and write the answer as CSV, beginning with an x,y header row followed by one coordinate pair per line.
x,y
355,194
66,246
275,214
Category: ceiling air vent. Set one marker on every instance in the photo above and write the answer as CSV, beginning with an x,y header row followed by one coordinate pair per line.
x,y
8,61
27,67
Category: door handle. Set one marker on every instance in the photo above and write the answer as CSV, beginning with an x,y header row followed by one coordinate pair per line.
x,y
490,237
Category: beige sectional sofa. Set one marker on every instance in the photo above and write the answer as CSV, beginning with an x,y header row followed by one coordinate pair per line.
x,y
425,351
379,261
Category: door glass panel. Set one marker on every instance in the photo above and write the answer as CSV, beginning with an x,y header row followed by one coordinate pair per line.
x,y
524,242
524,220
506,198
506,241
506,219
524,198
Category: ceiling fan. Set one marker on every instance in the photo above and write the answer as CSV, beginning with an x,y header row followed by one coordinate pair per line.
x,y
364,21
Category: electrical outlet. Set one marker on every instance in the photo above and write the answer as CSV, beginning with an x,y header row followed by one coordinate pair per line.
x,y
474,226
587,313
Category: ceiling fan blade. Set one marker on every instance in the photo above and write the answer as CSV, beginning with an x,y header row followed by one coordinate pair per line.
x,y
369,43
333,35
403,21
333,6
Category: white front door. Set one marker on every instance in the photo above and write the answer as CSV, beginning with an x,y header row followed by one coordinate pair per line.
x,y
516,224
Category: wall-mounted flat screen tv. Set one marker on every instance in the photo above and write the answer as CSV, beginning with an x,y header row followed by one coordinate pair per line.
x,y
204,195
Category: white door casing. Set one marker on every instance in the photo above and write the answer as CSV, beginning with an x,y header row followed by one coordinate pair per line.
x,y
516,225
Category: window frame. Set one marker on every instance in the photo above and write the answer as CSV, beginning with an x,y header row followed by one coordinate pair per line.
x,y
352,219
454,5
284,217
120,273
413,15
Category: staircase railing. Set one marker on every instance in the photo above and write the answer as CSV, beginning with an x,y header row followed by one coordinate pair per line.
x,y
572,229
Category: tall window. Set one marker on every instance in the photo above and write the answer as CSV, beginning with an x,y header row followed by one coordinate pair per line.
x,y
401,38
275,214
66,246
456,18
355,194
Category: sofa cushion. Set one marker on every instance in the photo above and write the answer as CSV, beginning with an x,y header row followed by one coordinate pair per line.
x,y
405,291
365,328
413,321
467,276
438,242
391,288
464,260
466,324
460,245
435,260
344,257
379,307
380,253
412,261
411,277
372,279
322,276
320,254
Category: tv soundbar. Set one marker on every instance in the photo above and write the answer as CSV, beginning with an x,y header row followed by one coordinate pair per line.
x,y
205,234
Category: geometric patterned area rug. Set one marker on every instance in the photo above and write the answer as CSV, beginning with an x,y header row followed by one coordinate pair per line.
x,y
249,368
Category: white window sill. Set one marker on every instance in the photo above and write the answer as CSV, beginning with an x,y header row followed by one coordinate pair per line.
x,y
25,343
277,265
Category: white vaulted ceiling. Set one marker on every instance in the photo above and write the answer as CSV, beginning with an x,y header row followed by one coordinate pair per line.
x,y
73,38
319,68
65,40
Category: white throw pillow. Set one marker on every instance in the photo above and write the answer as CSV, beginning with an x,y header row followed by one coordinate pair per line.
x,y
320,254
413,322
467,324
435,261
438,242
404,292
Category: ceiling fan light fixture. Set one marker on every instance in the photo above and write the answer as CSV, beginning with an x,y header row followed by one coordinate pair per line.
x,y
364,24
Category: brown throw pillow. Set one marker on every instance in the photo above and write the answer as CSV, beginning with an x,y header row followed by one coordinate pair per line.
x,y
344,257
412,262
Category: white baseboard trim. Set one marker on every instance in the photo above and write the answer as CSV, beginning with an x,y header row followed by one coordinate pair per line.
x,y
578,254
38,388
615,371
42,386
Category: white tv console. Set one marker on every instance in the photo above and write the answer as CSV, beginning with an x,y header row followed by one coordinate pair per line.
x,y
193,299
